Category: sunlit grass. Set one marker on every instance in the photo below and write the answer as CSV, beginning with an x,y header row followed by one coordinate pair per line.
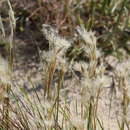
x,y
75,106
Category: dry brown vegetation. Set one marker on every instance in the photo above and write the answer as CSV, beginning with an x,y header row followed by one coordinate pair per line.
x,y
64,65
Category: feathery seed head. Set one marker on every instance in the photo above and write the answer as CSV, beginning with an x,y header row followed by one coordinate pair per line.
x,y
88,37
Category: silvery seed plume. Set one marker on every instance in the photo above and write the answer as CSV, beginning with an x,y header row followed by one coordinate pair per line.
x,y
122,72
55,41
88,37
57,45
47,56
89,41
89,47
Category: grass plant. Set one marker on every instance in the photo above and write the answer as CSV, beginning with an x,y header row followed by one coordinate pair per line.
x,y
96,29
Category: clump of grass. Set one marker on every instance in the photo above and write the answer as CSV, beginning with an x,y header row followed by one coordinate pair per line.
x,y
6,62
52,110
122,77
76,105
